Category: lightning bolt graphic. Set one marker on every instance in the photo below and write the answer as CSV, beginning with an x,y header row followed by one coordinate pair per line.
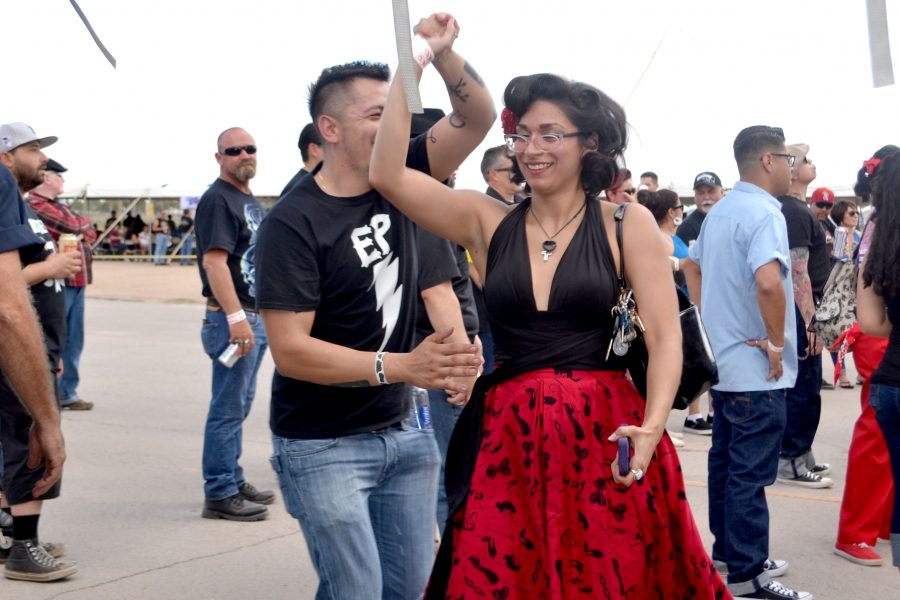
x,y
387,293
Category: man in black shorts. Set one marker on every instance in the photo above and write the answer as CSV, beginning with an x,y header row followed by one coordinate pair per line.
x,y
25,486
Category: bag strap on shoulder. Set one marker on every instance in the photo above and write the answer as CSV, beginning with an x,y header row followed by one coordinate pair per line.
x,y
620,214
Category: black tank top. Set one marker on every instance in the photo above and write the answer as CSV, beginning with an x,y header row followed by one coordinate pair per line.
x,y
582,293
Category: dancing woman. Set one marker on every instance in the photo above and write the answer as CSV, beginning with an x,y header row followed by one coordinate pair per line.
x,y
538,509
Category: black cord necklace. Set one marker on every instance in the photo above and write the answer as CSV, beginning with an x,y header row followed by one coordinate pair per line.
x,y
549,245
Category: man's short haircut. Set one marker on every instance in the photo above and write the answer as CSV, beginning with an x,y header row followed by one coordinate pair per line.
x,y
753,141
491,158
653,176
334,80
308,135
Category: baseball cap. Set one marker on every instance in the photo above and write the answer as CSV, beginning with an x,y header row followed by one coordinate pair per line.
x,y
799,151
822,194
707,178
13,135
54,166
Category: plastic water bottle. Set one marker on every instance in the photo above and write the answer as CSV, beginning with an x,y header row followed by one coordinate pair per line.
x,y
419,409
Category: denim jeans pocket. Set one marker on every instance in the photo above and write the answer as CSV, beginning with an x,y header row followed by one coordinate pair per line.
x,y
301,448
212,339
737,406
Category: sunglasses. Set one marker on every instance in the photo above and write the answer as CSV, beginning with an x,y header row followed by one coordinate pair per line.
x,y
236,150
625,191
509,169
825,204
852,213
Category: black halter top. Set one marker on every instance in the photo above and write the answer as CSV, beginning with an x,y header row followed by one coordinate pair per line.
x,y
582,293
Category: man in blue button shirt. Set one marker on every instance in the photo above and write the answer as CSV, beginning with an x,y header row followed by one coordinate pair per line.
x,y
740,269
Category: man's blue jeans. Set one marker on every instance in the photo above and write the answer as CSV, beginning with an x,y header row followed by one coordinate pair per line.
x,y
746,440
71,352
443,417
885,401
804,408
159,248
365,504
232,395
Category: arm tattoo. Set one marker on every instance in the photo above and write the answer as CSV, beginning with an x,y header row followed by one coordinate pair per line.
x,y
473,74
352,384
458,90
456,120
803,296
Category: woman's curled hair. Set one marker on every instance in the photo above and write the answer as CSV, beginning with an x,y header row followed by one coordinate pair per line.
x,y
882,268
590,110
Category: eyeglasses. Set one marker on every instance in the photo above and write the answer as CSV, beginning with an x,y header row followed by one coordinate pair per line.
x,y
852,213
500,169
825,204
236,150
545,141
676,207
790,158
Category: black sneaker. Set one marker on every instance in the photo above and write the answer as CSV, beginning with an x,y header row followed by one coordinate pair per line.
x,y
55,550
698,426
774,567
820,469
234,508
775,590
28,561
827,385
249,492
807,479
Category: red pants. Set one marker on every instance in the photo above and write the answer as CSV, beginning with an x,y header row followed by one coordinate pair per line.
x,y
869,490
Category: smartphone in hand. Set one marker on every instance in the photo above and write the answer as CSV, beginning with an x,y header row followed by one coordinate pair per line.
x,y
624,456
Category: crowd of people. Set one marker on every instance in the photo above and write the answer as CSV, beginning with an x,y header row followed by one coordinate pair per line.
x,y
381,290
132,236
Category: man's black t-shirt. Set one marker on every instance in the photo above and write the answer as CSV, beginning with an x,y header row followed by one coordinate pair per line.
x,y
441,260
185,225
228,219
689,229
804,232
436,265
49,295
297,177
22,230
354,262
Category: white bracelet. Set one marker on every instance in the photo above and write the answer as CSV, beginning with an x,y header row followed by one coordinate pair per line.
x,y
236,317
380,377
676,264
422,51
774,348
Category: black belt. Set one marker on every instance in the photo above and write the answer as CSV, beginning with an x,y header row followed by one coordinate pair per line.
x,y
215,306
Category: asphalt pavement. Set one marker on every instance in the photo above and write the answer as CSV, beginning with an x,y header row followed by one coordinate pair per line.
x,y
132,492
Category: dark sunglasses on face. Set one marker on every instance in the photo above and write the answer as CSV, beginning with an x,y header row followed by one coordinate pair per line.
x,y
852,213
236,150
625,191
825,204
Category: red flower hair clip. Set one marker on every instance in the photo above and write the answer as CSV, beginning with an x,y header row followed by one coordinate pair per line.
x,y
871,164
509,120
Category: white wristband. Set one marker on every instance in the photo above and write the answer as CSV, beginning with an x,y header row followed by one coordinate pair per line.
x,y
774,348
422,51
676,264
380,376
236,317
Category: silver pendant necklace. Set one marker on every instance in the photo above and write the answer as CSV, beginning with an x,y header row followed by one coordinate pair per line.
x,y
549,246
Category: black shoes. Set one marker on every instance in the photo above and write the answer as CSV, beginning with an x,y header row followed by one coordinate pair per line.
x,y
249,492
234,508
697,426
29,561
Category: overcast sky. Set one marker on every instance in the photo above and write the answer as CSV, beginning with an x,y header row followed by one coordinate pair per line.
x,y
690,74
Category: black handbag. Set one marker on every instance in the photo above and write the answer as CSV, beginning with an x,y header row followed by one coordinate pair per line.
x,y
699,371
